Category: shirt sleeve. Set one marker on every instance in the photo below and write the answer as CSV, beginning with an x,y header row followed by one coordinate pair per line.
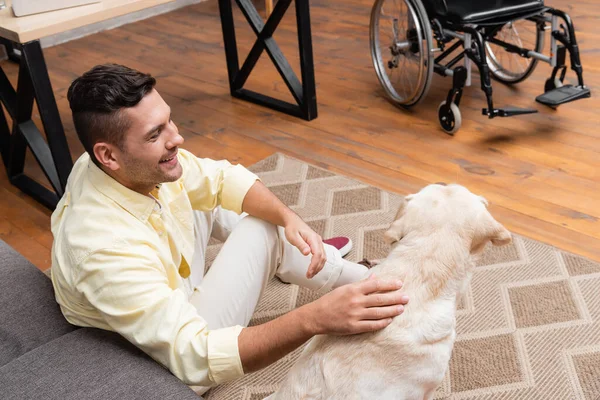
x,y
211,183
128,285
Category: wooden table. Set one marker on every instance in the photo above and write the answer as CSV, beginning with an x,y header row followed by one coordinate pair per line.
x,y
23,34
53,154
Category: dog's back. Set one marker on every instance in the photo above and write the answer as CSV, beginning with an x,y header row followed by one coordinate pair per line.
x,y
406,360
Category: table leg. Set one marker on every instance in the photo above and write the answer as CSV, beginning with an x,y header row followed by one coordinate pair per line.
x,y
303,92
52,154
9,47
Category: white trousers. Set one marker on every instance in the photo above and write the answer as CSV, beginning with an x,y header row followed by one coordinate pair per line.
x,y
254,251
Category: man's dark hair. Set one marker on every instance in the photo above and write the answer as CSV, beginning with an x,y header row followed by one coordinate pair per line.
x,y
97,98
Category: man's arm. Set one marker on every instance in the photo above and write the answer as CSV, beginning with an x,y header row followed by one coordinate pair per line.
x,y
260,202
128,286
355,308
211,183
360,307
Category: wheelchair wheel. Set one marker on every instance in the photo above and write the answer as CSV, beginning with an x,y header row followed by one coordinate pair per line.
x,y
450,118
508,67
401,43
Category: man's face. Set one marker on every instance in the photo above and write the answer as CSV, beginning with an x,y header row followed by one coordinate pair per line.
x,y
149,153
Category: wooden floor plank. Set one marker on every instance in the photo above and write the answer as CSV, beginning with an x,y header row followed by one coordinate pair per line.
x,y
540,172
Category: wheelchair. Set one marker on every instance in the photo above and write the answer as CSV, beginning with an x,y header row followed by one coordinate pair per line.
x,y
503,38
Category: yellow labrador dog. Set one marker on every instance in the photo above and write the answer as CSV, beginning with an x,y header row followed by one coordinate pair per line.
x,y
433,238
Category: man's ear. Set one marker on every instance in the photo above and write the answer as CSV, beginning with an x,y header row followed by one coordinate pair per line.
x,y
105,154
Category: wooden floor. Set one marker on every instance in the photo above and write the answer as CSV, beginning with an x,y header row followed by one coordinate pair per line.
x,y
540,172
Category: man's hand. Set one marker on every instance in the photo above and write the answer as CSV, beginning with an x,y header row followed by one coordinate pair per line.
x,y
358,307
364,306
262,203
299,234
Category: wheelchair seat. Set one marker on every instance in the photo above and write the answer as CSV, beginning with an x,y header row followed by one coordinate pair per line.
x,y
461,12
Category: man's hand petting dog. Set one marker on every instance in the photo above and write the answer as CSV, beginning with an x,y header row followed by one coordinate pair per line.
x,y
364,306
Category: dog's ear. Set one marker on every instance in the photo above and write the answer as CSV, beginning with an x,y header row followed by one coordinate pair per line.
x,y
395,231
500,236
489,230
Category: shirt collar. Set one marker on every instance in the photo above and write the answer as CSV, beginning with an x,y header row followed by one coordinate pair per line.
x,y
135,203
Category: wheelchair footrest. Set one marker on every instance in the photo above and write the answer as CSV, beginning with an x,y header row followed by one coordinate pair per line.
x,y
562,95
508,111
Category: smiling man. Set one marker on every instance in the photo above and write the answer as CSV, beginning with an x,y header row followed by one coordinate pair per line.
x,y
131,232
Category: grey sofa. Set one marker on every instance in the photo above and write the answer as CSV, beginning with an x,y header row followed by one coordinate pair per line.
x,y
42,356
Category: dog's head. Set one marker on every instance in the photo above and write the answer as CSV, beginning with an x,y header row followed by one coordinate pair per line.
x,y
451,208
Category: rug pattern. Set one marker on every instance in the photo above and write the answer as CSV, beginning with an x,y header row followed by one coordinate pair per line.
x,y
527,328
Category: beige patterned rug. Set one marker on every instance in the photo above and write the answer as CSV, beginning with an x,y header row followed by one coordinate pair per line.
x,y
528,327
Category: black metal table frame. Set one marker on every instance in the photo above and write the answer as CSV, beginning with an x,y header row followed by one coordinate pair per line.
x,y
52,154
303,92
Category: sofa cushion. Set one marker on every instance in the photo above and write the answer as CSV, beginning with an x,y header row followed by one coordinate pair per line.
x,y
89,364
29,314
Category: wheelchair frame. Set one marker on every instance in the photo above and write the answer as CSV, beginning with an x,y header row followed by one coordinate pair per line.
x,y
473,38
